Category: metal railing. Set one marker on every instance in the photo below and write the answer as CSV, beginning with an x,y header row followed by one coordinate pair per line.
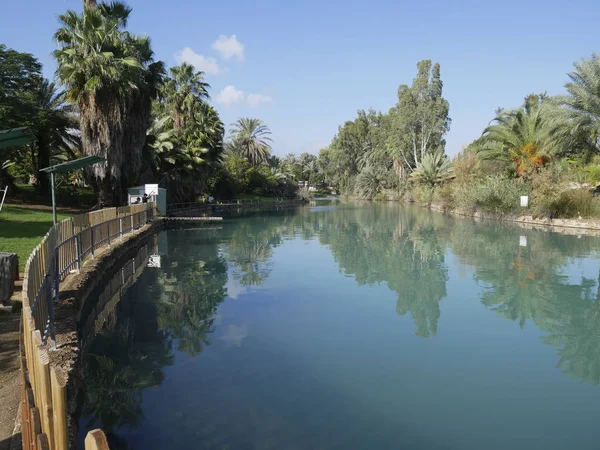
x,y
69,254
178,209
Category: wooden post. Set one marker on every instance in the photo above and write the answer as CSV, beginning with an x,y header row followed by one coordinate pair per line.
x,y
34,369
96,440
36,425
59,409
43,442
46,395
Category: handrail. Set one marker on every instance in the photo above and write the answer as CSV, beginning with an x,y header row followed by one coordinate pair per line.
x,y
178,208
68,253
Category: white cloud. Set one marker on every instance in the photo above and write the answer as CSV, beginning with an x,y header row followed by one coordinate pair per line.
x,y
228,47
234,335
230,96
257,99
200,62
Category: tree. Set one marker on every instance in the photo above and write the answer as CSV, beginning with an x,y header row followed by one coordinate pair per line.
x,y
250,139
581,108
523,137
420,119
52,124
434,168
20,74
112,78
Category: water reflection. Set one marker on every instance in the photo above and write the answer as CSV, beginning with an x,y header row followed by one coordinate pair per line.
x,y
416,254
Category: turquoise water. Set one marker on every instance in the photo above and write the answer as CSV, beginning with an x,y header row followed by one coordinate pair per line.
x,y
352,326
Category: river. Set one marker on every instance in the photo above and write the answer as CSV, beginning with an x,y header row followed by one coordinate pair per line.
x,y
346,325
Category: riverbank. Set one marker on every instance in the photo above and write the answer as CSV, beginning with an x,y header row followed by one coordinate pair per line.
x,y
565,226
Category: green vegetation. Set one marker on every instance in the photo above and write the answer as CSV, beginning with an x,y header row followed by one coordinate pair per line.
x,y
23,229
151,123
548,148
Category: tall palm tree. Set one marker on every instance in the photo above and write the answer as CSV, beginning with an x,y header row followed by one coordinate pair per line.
x,y
581,108
250,139
111,76
53,125
182,91
522,136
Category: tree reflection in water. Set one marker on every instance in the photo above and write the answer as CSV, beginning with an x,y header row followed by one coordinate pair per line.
x,y
406,248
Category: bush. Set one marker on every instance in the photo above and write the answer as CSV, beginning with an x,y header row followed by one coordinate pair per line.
x,y
444,196
564,203
592,173
496,195
422,194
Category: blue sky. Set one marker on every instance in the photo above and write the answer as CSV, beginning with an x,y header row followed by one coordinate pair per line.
x,y
306,67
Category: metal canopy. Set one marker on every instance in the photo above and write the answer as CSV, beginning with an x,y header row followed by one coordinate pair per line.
x,y
15,137
69,166
65,167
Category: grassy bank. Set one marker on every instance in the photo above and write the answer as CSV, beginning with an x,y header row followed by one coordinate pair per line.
x,y
22,228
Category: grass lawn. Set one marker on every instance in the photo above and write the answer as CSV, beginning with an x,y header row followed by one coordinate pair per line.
x,y
21,229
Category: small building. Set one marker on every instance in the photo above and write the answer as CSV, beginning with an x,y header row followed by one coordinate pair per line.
x,y
156,194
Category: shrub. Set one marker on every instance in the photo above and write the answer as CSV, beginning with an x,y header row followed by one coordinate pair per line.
x,y
444,196
564,203
422,194
466,166
495,195
592,173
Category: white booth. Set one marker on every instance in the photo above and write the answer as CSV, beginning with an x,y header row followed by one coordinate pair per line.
x,y
156,194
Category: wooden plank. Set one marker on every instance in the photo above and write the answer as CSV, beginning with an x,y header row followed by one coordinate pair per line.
x,y
58,384
43,442
96,440
46,396
36,426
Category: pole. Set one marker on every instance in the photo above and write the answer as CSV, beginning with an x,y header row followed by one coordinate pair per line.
x,y
53,198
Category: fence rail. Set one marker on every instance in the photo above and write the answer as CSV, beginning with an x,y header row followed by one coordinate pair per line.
x,y
179,209
64,249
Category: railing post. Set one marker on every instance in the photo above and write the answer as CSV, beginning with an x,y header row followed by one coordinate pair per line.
x,y
121,227
108,231
51,302
78,251
131,222
92,239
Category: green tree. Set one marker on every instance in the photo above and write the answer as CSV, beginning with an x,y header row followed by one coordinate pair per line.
x,y
434,168
581,108
522,137
420,119
53,125
20,75
250,138
111,76
185,142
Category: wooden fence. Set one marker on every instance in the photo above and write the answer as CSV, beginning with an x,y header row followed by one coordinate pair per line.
x,y
65,248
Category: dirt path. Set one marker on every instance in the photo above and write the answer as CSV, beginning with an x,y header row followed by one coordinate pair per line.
x,y
9,375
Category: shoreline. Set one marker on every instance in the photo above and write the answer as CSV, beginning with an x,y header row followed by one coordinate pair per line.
x,y
576,227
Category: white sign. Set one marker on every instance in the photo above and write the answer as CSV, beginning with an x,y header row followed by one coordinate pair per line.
x,y
523,241
154,261
524,201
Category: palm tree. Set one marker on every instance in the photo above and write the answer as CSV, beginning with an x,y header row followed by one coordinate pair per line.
x,y
250,139
53,125
367,183
525,137
310,168
434,168
182,91
111,77
582,105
